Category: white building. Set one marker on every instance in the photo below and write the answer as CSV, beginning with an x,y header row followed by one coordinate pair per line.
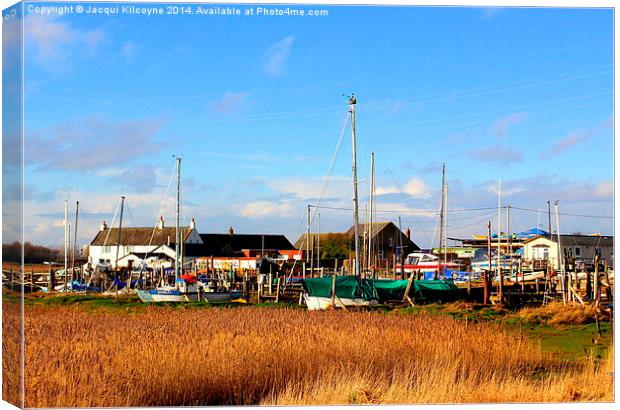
x,y
122,247
579,249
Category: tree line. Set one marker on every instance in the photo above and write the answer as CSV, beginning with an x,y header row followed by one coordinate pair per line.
x,y
11,252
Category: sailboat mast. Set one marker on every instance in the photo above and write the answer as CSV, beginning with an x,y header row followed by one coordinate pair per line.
x,y
499,243
66,222
77,209
120,230
559,254
177,254
372,193
442,211
352,103
318,242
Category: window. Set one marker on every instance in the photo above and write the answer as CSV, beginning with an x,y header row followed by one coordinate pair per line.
x,y
577,251
106,249
540,253
128,249
597,251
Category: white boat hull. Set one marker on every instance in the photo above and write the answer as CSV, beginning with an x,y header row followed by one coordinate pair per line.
x,y
322,303
528,277
159,295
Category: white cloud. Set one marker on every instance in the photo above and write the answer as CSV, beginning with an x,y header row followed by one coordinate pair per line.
x,y
230,102
305,188
260,209
499,154
500,128
51,41
576,137
276,56
604,190
128,50
415,187
92,144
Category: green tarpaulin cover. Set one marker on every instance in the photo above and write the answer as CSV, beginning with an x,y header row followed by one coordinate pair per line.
x,y
382,290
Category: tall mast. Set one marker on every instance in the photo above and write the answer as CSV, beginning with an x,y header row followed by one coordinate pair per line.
x,y
308,235
509,238
66,223
77,209
318,242
372,193
445,227
352,103
177,254
120,230
560,254
442,211
499,241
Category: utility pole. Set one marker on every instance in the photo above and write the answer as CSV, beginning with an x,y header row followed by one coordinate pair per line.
x,y
352,104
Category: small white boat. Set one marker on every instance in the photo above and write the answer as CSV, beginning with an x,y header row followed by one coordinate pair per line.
x,y
186,289
323,303
527,276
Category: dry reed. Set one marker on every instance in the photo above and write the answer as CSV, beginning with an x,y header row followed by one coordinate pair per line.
x,y
167,356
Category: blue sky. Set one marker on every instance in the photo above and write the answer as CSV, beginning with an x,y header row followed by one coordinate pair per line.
x,y
254,106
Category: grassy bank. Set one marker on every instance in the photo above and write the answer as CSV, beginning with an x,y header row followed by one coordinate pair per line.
x,y
86,354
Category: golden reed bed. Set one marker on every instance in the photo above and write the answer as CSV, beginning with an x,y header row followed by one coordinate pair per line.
x,y
166,356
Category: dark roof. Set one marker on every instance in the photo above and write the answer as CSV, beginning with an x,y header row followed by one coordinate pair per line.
x,y
326,236
377,227
378,232
216,244
585,240
138,236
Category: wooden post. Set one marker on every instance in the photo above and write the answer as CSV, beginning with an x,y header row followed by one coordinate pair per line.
x,y
610,296
51,279
31,281
270,281
537,286
278,290
335,265
596,284
334,291
11,278
408,289
259,291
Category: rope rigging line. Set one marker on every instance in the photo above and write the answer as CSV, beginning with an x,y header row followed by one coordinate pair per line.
x,y
326,182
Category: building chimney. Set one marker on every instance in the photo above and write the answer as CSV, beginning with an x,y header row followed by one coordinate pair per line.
x,y
230,231
103,226
192,224
160,223
408,233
